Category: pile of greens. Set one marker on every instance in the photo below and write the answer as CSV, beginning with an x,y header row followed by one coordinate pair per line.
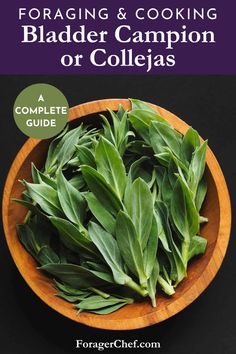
x,y
114,215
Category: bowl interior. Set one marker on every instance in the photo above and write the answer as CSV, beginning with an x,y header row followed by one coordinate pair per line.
x,y
131,316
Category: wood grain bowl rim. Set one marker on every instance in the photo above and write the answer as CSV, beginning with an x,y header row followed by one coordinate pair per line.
x,y
200,283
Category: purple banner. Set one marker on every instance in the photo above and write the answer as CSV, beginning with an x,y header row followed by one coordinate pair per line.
x,y
118,37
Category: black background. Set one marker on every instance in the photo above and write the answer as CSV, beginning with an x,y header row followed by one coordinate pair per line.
x,y
208,325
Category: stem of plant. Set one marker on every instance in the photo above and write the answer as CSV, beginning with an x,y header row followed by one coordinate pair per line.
x,y
27,217
153,300
100,292
129,300
184,253
202,219
166,287
134,286
83,230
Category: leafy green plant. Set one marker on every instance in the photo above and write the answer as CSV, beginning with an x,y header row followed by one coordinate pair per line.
x,y
114,216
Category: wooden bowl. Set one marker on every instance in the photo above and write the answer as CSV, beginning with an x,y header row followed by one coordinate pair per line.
x,y
201,270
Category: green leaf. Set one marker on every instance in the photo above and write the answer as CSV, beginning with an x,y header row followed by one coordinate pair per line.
x,y
41,228
162,135
141,120
108,247
183,210
166,188
120,113
74,162
96,266
149,179
161,219
115,124
97,304
150,252
66,148
184,215
46,197
197,246
107,130
72,238
118,133
103,216
34,173
61,152
46,255
181,165
39,177
36,241
137,104
52,150
85,156
197,167
101,189
201,193
71,298
109,309
71,200
169,177
89,137
160,173
77,181
29,205
177,267
71,291
129,246
190,142
132,175
135,168
123,134
28,239
26,196
163,157
110,166
152,283
140,148
139,205
77,276
172,171
31,235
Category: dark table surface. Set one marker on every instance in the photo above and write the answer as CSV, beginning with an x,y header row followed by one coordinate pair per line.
x,y
208,103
